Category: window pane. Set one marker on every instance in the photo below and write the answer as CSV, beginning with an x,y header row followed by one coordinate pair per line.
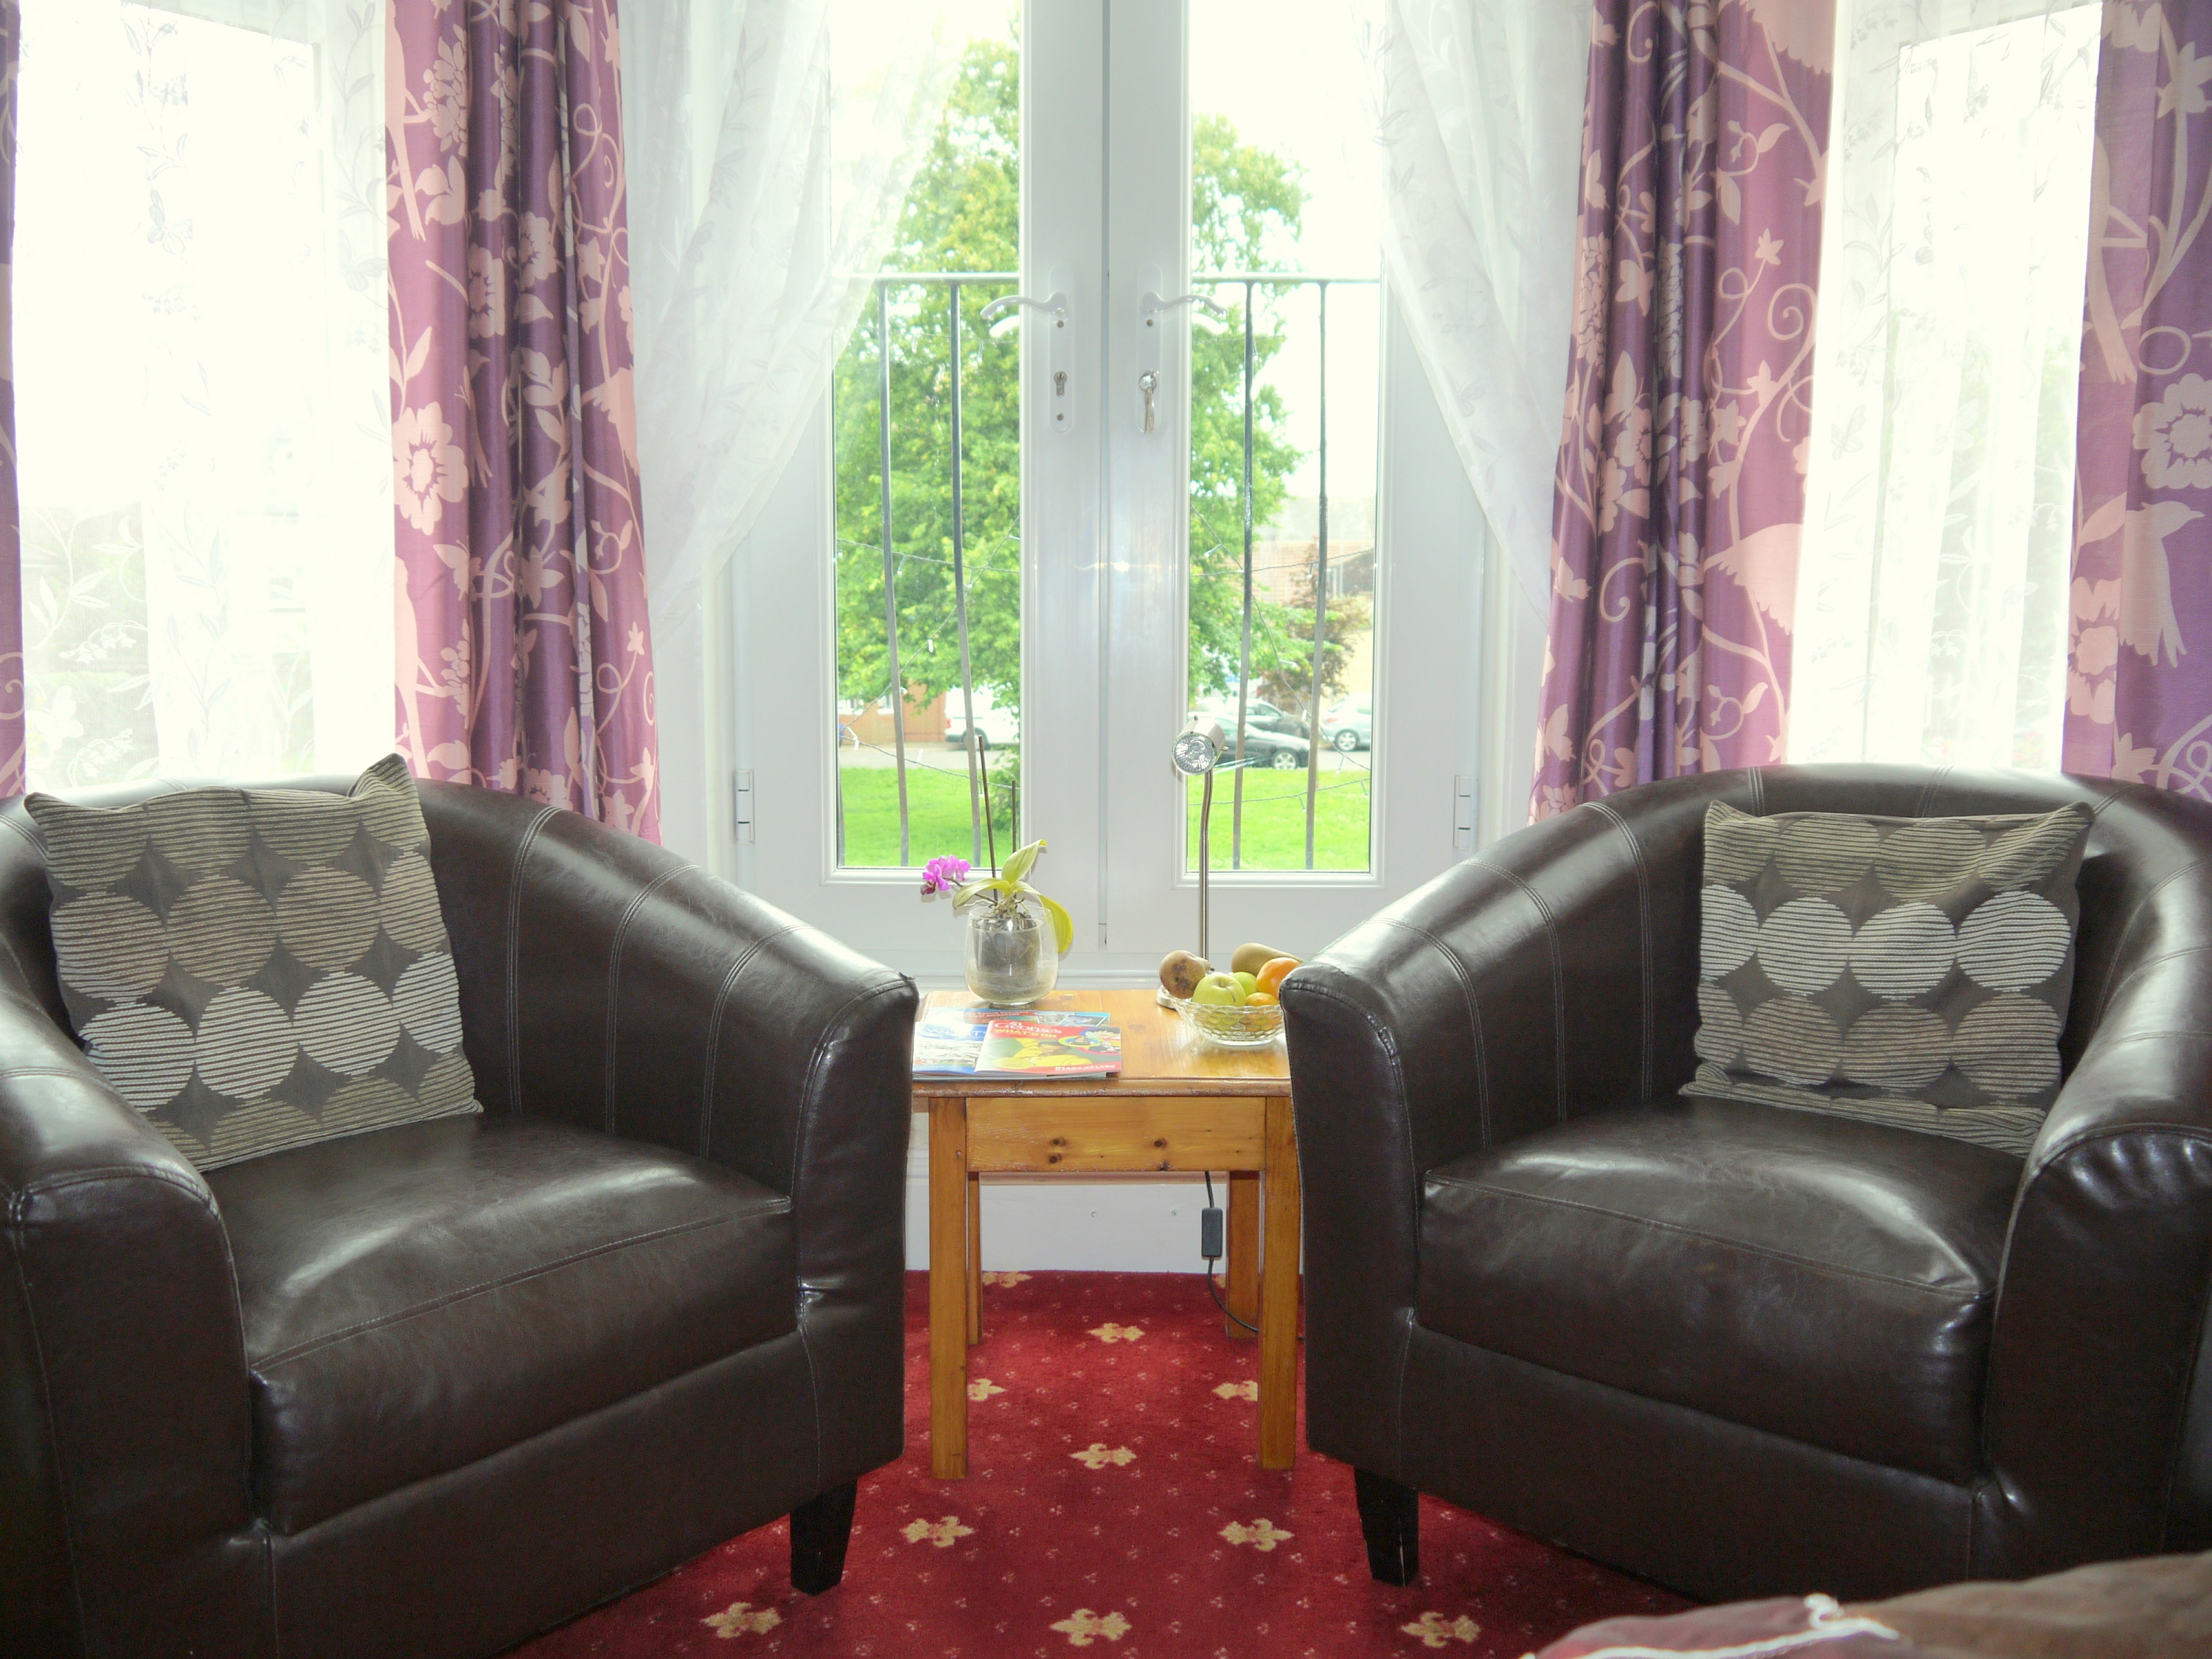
x,y
910,773
1284,428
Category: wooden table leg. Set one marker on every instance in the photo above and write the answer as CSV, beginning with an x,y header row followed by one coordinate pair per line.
x,y
1243,1252
1279,1293
948,1289
974,1258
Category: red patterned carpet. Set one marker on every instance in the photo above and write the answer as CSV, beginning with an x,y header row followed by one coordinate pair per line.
x,y
1115,1506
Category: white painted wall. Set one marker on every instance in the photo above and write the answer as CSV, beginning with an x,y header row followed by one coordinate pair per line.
x,y
1125,1223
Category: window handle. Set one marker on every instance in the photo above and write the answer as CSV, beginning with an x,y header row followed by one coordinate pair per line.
x,y
1059,353
1151,311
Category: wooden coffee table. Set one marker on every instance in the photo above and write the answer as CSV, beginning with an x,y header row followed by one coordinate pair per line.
x,y
1180,1104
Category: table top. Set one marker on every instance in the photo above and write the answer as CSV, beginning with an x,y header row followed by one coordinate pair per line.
x,y
1160,1055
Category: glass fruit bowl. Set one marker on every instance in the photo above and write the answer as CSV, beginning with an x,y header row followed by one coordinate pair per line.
x,y
1248,1027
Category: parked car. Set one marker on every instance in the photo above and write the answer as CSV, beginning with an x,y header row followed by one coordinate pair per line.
x,y
995,727
1349,726
1278,749
1259,716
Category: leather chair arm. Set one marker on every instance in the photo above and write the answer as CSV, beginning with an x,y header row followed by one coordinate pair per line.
x,y
1540,980
123,1383
2100,1336
609,983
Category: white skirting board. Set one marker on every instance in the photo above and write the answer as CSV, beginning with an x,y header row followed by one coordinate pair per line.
x,y
1124,1224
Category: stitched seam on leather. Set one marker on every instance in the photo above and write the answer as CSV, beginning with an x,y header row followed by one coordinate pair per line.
x,y
814,1391
1473,1019
269,1588
2124,1037
637,903
1559,989
1714,1238
2144,967
1643,932
1398,1392
123,1172
522,847
807,1096
1413,1233
714,1032
2104,997
520,1276
2187,1132
2179,1431
1929,792
16,1234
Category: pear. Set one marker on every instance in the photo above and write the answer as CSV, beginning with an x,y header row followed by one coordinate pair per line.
x,y
1251,958
1181,971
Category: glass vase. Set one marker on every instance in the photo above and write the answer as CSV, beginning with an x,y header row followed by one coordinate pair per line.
x,y
1014,956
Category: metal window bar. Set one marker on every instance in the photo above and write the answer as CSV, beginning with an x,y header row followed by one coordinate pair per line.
x,y
954,283
895,688
1251,281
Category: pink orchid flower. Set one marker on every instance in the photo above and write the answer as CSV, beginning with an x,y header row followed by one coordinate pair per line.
x,y
941,878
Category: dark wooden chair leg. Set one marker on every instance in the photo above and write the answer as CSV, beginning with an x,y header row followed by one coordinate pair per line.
x,y
1390,1520
820,1529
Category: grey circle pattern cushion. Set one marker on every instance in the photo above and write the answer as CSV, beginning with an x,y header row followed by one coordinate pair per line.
x,y
1911,971
254,969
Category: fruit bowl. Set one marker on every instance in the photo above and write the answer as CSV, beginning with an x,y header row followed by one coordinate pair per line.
x,y
1246,1027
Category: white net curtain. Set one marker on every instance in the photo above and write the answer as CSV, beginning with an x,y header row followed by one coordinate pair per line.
x,y
1931,608
199,346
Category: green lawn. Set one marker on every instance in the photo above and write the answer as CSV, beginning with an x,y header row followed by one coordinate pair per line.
x,y
937,812
1274,817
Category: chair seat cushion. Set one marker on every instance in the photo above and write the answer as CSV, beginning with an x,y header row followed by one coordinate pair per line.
x,y
419,1297
1817,1277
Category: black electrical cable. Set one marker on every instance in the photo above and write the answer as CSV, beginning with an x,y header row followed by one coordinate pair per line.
x,y
1214,1288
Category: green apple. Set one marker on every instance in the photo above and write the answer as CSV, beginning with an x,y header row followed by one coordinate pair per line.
x,y
1246,982
1220,990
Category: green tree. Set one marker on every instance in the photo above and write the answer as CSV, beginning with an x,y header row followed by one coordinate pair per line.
x,y
962,213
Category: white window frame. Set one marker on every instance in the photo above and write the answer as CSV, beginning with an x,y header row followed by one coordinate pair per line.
x,y
1105,180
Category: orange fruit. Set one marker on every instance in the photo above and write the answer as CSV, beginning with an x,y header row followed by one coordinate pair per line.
x,y
1261,1000
1270,976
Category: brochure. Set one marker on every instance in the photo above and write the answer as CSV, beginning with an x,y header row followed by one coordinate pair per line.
x,y
949,1044
1045,1046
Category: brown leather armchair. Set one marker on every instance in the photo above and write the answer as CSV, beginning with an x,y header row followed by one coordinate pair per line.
x,y
428,1390
1744,1350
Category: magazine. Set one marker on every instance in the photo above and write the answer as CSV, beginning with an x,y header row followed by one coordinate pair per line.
x,y
950,1044
1046,1046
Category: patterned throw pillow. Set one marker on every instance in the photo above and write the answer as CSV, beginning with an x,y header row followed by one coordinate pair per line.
x,y
255,970
1914,971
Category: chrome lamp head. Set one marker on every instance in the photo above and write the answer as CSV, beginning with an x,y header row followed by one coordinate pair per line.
x,y
1197,752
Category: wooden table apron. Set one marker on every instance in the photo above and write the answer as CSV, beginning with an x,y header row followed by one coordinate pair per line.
x,y
1179,1104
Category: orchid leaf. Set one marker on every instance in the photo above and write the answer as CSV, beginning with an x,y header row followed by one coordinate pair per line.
x,y
1063,925
1019,864
974,891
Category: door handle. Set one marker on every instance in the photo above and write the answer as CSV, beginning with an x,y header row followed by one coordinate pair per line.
x,y
1059,352
1151,311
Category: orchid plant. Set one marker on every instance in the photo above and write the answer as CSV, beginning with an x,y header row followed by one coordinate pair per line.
x,y
1004,891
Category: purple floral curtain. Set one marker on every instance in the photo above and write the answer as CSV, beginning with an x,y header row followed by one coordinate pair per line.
x,y
524,662
2139,684
1680,493
11,536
